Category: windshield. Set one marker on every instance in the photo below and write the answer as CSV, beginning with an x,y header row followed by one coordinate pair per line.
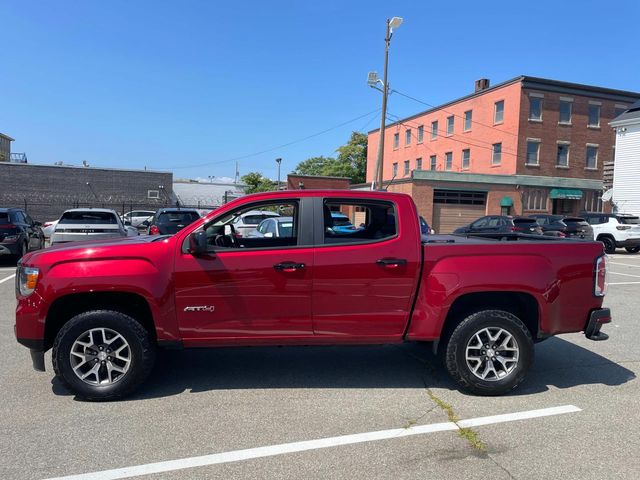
x,y
101,218
167,218
255,219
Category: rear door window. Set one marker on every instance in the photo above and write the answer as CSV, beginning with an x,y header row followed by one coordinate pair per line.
x,y
353,222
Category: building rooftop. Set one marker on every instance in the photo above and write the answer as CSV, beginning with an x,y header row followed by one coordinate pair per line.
x,y
630,115
536,83
7,137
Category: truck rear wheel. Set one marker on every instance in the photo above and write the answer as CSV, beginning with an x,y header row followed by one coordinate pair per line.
x,y
489,352
102,355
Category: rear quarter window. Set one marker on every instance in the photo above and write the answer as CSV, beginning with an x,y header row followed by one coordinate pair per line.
x,y
629,220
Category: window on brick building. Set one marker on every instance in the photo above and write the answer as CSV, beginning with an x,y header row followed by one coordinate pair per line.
x,y
420,133
619,110
395,169
533,152
407,168
418,163
592,156
534,200
562,156
433,162
594,116
535,108
496,158
566,106
468,115
407,136
450,124
592,201
396,140
466,158
498,115
434,130
448,160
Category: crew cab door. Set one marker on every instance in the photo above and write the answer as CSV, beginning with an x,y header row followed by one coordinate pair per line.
x,y
365,278
247,287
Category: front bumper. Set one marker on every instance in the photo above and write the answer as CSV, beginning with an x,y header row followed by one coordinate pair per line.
x,y
597,318
36,349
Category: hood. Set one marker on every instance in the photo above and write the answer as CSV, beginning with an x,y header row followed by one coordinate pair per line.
x,y
78,249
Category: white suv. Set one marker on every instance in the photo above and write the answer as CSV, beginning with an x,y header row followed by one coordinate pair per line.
x,y
615,230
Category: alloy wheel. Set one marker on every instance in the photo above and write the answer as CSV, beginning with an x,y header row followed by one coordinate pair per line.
x,y
100,356
492,354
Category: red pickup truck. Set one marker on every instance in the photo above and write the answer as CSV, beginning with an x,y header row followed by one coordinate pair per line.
x,y
106,306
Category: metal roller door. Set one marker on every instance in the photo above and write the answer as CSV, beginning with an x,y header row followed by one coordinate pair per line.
x,y
455,208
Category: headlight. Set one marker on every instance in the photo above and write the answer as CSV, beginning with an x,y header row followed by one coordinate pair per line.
x,y
27,280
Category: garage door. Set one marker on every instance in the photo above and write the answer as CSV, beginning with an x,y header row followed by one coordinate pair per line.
x,y
455,208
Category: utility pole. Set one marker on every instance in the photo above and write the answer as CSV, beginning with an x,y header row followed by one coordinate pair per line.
x,y
278,161
392,23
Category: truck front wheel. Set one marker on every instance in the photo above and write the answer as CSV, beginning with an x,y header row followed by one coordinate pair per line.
x,y
489,352
102,355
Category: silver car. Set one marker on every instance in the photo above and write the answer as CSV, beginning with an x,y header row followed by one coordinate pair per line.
x,y
136,217
246,223
89,224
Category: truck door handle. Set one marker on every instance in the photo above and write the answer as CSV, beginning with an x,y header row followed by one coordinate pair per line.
x,y
391,262
288,266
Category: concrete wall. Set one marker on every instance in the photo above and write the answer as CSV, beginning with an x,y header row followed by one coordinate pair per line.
x,y
46,191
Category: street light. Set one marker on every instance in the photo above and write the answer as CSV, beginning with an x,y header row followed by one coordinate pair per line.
x,y
278,161
373,81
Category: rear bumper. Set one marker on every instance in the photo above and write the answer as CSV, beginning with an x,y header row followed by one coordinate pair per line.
x,y
630,242
9,248
597,318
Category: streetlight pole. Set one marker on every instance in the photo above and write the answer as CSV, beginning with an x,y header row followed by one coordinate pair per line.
x,y
392,23
278,161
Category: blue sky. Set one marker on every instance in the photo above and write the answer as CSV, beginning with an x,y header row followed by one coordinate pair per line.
x,y
188,86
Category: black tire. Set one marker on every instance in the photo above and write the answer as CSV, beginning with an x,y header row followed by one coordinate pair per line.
x,y
632,249
142,354
455,352
609,244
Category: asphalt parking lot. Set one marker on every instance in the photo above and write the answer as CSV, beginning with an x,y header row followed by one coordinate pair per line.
x,y
209,413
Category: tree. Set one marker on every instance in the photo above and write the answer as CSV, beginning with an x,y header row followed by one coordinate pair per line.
x,y
257,183
351,161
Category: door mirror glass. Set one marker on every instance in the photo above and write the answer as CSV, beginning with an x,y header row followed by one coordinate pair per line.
x,y
198,243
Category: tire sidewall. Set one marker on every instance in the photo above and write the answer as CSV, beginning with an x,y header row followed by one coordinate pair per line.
x,y
125,326
609,245
456,351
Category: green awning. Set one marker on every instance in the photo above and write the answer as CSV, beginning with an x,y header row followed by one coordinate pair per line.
x,y
565,193
506,201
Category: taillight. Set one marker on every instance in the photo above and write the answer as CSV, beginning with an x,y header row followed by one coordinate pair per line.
x,y
623,227
154,230
562,234
600,280
7,225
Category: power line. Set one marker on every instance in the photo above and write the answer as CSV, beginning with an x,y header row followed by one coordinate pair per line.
x,y
451,113
279,146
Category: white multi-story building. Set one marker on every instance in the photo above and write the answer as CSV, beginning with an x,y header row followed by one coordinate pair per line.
x,y
626,173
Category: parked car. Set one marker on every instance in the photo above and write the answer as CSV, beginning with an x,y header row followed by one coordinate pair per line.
x,y
341,223
80,224
169,221
563,226
19,234
47,230
136,217
205,287
274,227
501,224
615,230
247,222
425,229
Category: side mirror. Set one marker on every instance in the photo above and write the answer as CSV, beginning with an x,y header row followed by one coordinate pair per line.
x,y
37,224
127,222
145,223
198,243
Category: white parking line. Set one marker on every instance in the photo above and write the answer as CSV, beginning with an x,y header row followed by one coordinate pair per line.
x,y
8,278
624,274
269,451
625,264
623,283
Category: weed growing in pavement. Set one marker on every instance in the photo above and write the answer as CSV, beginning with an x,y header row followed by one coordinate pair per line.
x,y
470,435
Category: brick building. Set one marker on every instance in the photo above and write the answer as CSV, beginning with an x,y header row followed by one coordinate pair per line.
x,y
527,145
310,182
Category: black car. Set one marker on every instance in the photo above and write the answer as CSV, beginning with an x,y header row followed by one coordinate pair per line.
x,y
168,221
19,234
563,226
501,224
